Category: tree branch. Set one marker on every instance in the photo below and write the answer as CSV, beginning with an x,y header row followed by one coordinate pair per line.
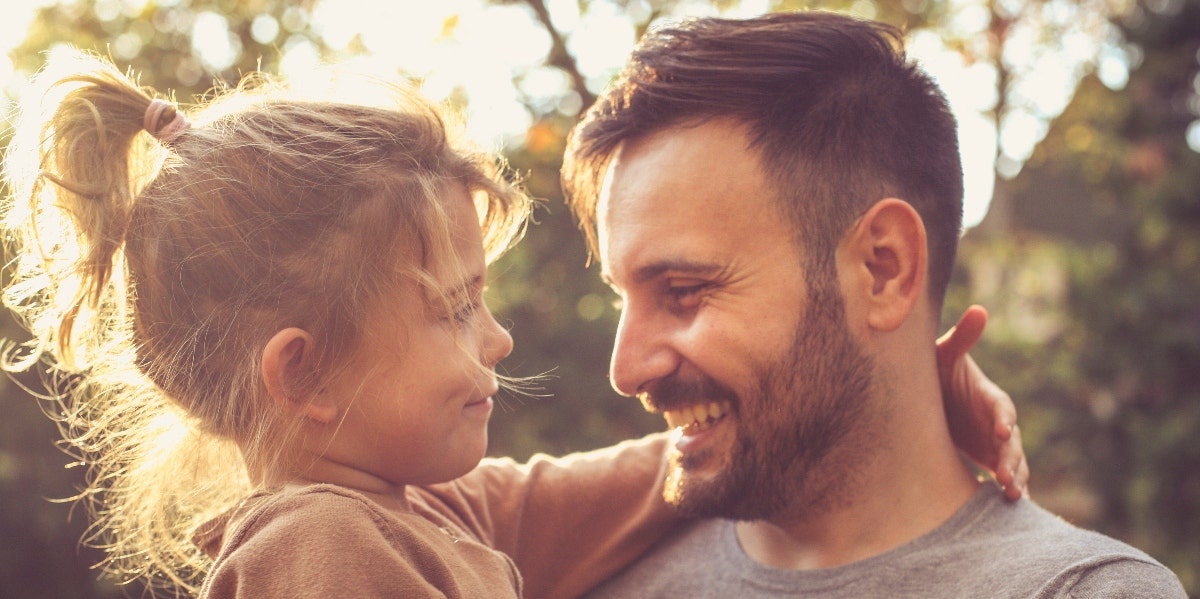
x,y
559,56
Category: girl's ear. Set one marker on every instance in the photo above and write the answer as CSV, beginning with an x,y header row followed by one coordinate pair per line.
x,y
287,369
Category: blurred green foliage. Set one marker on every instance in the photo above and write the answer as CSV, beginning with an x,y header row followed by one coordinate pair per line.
x,y
1091,277
1094,287
40,554
562,320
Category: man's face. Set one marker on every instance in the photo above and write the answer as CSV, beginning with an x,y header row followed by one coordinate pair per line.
x,y
764,386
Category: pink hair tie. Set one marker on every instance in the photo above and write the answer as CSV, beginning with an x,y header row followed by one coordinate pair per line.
x,y
168,132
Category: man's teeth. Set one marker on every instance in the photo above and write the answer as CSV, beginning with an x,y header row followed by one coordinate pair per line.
x,y
697,417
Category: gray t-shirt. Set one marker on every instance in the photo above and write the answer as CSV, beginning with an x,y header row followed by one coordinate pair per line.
x,y
989,548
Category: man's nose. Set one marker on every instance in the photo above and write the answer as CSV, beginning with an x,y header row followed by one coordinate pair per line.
x,y
642,352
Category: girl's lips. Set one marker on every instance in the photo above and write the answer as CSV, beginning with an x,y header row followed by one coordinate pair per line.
x,y
480,408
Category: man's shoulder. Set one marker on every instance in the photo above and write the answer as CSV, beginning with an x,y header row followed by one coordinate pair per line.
x,y
990,548
1117,575
1023,548
992,520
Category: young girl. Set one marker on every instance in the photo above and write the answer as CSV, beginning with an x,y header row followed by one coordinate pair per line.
x,y
266,329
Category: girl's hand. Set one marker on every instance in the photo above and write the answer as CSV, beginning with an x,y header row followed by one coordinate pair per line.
x,y
982,417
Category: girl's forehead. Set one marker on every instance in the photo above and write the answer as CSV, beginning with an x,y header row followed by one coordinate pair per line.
x,y
456,256
466,234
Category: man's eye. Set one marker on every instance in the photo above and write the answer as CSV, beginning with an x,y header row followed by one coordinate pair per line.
x,y
683,291
687,295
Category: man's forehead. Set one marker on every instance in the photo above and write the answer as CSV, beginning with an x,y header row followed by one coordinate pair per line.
x,y
639,181
684,193
603,206
606,184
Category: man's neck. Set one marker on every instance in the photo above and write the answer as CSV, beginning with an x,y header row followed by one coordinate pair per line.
x,y
910,487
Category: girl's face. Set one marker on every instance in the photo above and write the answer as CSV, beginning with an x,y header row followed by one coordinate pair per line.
x,y
416,401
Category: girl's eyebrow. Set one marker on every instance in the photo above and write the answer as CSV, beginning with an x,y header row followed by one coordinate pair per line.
x,y
466,288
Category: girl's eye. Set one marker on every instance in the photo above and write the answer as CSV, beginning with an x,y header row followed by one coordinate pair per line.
x,y
465,313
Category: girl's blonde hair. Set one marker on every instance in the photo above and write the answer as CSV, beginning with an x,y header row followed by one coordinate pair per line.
x,y
152,274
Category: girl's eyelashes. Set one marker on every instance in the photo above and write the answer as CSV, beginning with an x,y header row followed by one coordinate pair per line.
x,y
465,312
467,309
466,303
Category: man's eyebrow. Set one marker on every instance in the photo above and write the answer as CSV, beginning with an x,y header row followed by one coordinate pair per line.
x,y
656,269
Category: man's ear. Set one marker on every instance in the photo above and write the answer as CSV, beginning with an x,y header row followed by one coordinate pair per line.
x,y
288,363
887,250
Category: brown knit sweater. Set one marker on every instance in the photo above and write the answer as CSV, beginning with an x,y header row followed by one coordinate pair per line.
x,y
553,526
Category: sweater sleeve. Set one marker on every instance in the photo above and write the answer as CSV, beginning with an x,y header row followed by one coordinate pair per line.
x,y
568,522
340,547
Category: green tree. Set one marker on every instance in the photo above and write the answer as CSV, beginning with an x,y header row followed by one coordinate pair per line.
x,y
1141,310
158,39
41,555
1096,278
1060,342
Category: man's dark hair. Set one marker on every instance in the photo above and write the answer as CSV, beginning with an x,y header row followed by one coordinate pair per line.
x,y
839,116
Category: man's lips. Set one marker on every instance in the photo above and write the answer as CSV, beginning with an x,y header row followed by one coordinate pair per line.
x,y
696,418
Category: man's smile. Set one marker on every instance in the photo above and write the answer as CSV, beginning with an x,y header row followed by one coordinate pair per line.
x,y
696,418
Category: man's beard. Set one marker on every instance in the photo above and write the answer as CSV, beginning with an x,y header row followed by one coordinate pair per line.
x,y
807,404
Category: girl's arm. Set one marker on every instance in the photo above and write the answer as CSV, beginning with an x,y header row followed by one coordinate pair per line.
x,y
571,522
981,416
568,522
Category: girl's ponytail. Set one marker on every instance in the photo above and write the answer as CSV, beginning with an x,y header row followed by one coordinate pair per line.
x,y
79,157
76,162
